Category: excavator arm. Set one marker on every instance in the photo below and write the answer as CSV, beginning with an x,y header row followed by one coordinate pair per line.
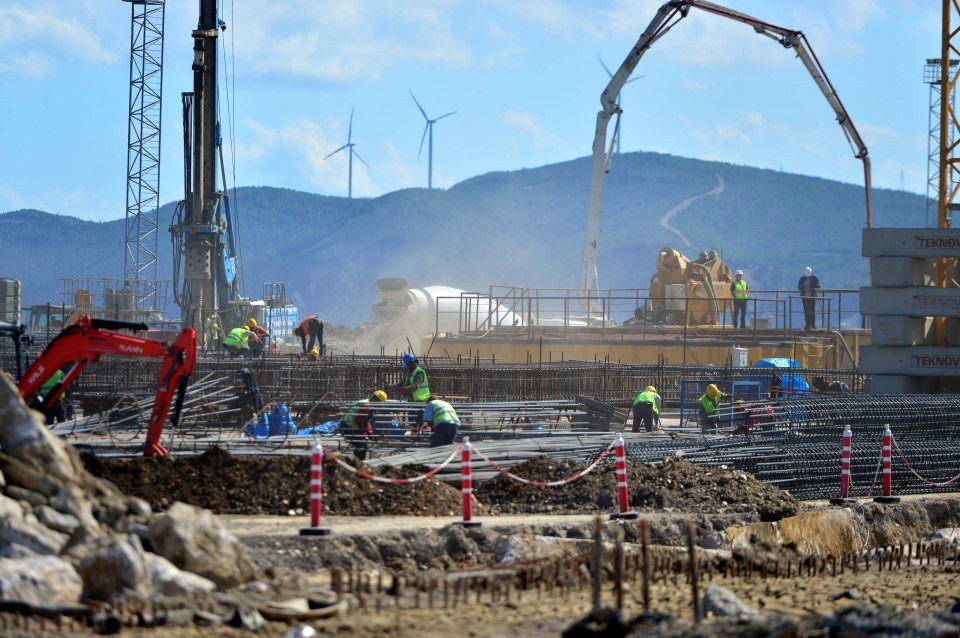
x,y
666,18
88,339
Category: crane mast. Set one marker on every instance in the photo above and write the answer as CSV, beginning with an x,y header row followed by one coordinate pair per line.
x,y
665,19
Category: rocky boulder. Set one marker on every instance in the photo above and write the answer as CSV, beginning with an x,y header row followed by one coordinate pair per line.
x,y
193,539
39,581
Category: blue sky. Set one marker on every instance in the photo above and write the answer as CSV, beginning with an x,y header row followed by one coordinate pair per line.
x,y
523,78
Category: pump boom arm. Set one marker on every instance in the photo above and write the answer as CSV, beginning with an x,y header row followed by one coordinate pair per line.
x,y
666,18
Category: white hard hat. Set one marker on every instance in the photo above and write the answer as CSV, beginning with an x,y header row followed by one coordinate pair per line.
x,y
739,272
808,271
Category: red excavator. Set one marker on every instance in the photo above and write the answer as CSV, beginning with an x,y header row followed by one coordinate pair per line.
x,y
88,339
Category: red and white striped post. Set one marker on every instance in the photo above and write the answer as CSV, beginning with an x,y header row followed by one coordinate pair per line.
x,y
845,469
316,494
886,462
466,485
623,504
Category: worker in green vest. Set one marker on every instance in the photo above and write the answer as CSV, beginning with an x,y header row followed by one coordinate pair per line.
x,y
236,343
357,425
708,403
415,386
443,419
646,409
54,411
738,290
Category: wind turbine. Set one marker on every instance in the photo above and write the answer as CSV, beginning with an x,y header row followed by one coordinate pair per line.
x,y
616,131
349,145
428,128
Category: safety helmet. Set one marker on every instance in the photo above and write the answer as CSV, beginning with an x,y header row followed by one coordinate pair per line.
x,y
251,323
379,395
314,353
650,388
712,391
408,359
739,272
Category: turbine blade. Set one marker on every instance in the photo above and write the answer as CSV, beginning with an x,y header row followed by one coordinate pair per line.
x,y
350,129
425,129
634,79
604,66
443,116
338,150
357,155
418,106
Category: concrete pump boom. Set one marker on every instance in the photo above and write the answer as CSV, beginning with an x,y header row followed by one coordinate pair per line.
x,y
666,18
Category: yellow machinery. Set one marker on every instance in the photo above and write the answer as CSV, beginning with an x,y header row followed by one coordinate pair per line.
x,y
695,292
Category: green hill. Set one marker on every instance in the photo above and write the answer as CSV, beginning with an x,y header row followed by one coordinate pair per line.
x,y
520,228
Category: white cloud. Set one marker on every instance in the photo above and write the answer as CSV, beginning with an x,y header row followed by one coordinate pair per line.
x,y
346,41
52,33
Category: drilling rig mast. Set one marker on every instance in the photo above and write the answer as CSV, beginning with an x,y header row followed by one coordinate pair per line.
x,y
202,230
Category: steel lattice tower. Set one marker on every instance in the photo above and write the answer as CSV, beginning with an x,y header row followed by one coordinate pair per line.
x,y
143,151
932,73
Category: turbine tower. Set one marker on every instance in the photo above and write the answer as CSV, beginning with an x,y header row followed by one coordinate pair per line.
x,y
616,132
349,145
428,129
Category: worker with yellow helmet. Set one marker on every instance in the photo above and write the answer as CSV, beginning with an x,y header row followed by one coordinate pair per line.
x,y
259,345
646,409
709,401
357,425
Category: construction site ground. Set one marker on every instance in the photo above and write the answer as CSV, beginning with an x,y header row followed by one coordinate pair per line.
x,y
378,529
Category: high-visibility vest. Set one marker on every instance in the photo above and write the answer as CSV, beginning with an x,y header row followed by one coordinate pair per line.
x,y
305,325
709,405
648,397
740,289
52,381
237,338
443,412
353,419
421,393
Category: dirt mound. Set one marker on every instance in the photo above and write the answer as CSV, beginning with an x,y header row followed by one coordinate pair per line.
x,y
271,485
676,484
279,484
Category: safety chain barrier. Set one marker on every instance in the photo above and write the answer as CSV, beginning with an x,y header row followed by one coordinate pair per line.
x,y
565,481
903,457
394,481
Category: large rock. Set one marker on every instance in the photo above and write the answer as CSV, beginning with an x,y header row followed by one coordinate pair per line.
x,y
820,533
115,567
40,581
26,438
22,535
193,539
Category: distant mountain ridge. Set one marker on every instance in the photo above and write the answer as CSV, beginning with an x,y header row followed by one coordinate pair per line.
x,y
522,228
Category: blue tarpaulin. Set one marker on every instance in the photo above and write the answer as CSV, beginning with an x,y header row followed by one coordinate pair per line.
x,y
789,372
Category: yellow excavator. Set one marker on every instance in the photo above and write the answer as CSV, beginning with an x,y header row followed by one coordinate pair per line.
x,y
695,292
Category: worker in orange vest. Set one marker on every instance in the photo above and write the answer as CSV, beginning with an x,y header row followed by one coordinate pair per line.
x,y
313,327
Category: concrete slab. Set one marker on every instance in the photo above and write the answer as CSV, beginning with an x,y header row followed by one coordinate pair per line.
x,y
925,243
923,361
916,301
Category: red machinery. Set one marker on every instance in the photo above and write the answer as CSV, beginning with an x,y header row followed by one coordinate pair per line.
x,y
88,339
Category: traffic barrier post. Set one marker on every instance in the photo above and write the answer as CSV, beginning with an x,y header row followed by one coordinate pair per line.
x,y
886,461
316,494
844,497
623,504
466,485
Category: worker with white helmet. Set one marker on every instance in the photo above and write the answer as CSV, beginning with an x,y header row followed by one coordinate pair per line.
x,y
808,287
738,290
646,409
